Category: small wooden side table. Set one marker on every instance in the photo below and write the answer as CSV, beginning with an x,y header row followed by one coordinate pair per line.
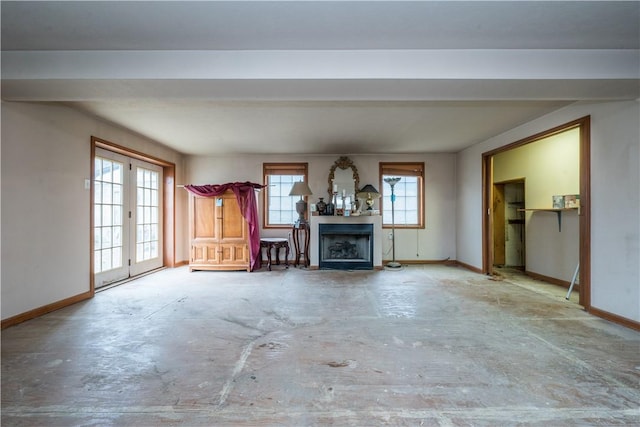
x,y
275,243
301,237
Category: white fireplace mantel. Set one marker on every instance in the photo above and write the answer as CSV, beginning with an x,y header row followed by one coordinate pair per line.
x,y
316,220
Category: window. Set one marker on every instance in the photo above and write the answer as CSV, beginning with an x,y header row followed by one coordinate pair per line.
x,y
408,211
279,207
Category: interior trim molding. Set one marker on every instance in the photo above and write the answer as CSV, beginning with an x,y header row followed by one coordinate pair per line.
x,y
584,125
446,261
469,267
622,321
40,311
551,280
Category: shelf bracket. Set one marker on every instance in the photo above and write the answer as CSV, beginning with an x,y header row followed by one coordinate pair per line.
x,y
557,211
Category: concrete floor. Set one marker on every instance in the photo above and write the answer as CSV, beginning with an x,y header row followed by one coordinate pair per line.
x,y
427,345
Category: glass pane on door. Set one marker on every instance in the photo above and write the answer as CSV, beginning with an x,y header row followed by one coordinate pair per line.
x,y
147,214
108,211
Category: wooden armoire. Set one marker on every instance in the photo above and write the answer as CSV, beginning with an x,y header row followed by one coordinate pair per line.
x,y
219,234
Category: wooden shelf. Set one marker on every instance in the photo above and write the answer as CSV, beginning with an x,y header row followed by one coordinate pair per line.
x,y
549,210
558,212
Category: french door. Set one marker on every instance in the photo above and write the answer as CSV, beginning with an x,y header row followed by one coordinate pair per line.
x,y
127,212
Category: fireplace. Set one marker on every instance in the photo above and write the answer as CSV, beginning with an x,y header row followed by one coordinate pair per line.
x,y
345,246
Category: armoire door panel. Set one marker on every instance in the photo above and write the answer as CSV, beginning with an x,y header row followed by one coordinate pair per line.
x,y
204,223
234,253
232,223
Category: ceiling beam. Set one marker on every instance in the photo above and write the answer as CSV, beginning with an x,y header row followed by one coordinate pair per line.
x,y
465,64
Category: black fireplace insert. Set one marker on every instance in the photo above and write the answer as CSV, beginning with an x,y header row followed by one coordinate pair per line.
x,y
346,246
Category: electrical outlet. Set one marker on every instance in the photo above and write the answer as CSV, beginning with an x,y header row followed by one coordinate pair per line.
x,y
390,236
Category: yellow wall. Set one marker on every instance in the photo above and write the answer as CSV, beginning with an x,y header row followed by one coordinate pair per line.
x,y
550,167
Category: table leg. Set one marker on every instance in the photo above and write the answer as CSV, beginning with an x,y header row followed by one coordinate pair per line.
x,y
286,255
296,246
307,238
269,257
277,250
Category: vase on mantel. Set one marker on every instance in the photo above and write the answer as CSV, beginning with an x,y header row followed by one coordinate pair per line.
x,y
321,206
329,210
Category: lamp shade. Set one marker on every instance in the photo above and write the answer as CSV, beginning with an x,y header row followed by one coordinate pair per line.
x,y
368,190
300,189
368,193
392,180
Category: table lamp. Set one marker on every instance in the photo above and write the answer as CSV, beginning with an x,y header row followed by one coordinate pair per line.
x,y
301,189
368,193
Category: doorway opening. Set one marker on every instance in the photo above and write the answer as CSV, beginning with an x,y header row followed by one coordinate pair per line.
x,y
509,224
553,238
132,206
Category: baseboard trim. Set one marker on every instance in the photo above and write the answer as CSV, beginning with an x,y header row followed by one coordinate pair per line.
x,y
40,311
622,321
180,263
446,261
469,267
551,280
317,267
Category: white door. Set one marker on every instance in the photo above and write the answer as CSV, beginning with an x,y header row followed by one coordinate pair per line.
x,y
127,217
146,217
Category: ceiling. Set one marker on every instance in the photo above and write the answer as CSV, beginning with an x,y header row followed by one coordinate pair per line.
x,y
319,77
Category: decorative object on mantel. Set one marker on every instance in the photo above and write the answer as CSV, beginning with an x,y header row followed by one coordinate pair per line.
x,y
301,189
368,193
321,206
392,182
330,209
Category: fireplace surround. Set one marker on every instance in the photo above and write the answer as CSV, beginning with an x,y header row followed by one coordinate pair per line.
x,y
340,249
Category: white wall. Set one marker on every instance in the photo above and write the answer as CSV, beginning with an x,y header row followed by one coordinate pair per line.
x,y
45,209
435,242
615,199
46,157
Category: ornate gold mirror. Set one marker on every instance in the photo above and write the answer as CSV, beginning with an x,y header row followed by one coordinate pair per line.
x,y
343,178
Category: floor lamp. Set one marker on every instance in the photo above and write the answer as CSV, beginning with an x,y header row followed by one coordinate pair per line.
x,y
392,182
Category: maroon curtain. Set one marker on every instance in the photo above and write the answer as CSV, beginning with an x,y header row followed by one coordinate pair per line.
x,y
246,197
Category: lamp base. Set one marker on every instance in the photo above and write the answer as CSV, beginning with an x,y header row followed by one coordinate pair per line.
x,y
301,208
393,265
369,202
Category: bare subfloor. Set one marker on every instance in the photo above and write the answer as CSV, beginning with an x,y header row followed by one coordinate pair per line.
x,y
427,345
